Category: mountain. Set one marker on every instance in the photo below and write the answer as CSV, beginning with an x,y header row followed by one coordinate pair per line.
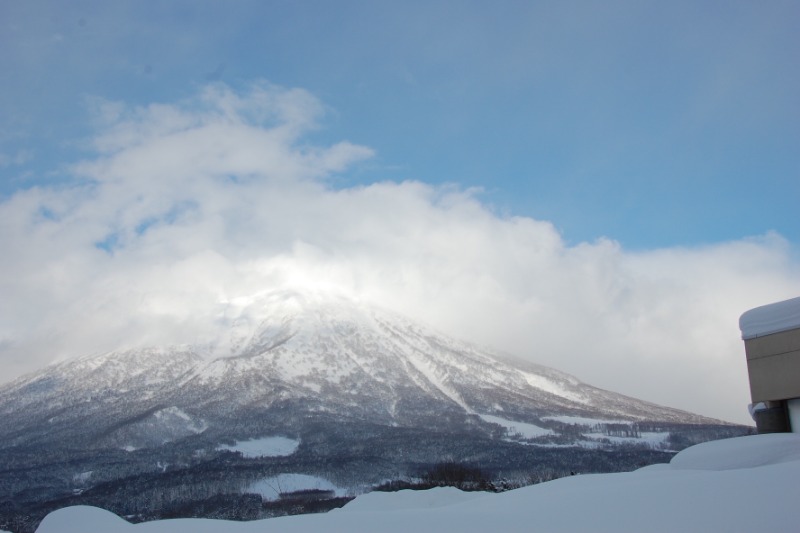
x,y
319,385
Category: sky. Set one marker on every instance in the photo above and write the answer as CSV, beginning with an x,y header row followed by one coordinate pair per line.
x,y
599,187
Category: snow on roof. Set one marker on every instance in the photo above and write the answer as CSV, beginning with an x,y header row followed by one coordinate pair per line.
x,y
769,319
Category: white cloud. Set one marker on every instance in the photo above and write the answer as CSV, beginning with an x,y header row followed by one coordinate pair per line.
x,y
190,205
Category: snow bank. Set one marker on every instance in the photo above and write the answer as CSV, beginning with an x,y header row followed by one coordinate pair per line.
x,y
735,454
410,500
737,485
769,319
84,519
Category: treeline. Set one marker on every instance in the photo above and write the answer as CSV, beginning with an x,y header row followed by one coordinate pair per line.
x,y
192,478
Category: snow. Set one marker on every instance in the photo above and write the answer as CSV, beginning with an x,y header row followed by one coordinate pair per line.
x,y
542,383
377,502
174,416
82,477
656,440
427,368
264,447
525,430
736,485
745,452
271,488
583,421
597,433
769,319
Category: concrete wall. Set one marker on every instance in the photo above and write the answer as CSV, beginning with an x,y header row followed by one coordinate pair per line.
x,y
773,362
793,406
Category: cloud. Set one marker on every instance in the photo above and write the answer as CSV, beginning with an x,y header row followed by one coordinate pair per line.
x,y
187,206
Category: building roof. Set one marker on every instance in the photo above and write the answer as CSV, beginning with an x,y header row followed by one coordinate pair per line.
x,y
769,319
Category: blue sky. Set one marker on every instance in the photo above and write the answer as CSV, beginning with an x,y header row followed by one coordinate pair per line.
x,y
592,186
650,123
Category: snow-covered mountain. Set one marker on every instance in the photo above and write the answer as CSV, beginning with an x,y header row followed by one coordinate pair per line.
x,y
354,393
320,353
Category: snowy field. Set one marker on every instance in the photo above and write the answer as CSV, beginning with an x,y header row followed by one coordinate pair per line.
x,y
271,488
737,485
594,432
524,430
264,447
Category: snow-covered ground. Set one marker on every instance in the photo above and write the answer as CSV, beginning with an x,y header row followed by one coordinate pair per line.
x,y
594,431
524,430
583,421
654,440
264,447
271,488
736,485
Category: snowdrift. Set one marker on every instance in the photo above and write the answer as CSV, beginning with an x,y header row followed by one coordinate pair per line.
x,y
742,484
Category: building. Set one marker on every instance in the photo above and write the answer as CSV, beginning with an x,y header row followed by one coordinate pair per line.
x,y
771,335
